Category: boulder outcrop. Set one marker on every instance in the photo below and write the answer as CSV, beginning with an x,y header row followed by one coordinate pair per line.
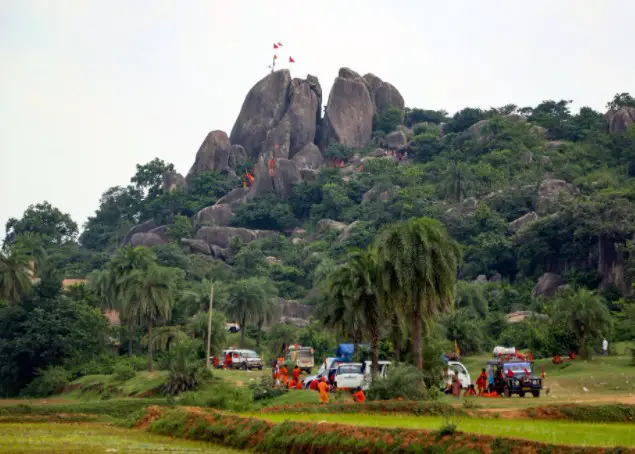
x,y
213,154
552,190
547,285
278,180
330,224
196,246
222,236
139,228
525,219
217,215
147,239
620,120
348,119
309,157
173,181
384,95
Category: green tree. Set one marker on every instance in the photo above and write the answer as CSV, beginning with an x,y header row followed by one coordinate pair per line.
x,y
418,266
182,228
53,226
15,274
149,295
149,177
389,120
587,315
621,100
471,296
248,300
457,181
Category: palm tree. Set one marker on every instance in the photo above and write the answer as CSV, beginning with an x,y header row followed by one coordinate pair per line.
x,y
457,181
149,294
197,325
335,309
269,310
471,295
418,263
15,274
247,297
125,261
586,313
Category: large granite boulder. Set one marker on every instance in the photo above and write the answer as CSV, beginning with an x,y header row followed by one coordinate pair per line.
x,y
305,105
139,228
196,246
330,224
278,140
620,120
395,140
233,197
147,239
348,119
294,309
548,285
222,236
551,191
309,157
173,181
279,180
212,155
217,215
237,156
263,108
384,95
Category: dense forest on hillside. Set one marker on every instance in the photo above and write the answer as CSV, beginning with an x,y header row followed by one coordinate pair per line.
x,y
540,201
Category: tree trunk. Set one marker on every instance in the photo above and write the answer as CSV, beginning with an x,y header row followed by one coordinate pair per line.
x,y
242,332
583,351
416,339
130,337
260,323
374,347
150,344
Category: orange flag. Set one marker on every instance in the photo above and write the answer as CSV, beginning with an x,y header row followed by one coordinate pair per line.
x,y
291,60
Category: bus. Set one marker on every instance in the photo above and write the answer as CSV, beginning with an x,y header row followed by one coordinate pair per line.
x,y
300,356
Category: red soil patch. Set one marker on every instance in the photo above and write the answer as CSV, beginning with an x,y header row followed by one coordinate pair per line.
x,y
152,414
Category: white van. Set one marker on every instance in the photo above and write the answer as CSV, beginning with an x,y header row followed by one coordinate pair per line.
x,y
351,376
456,368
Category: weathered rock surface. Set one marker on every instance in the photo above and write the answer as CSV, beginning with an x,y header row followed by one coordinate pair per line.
x,y
304,110
261,111
348,118
294,309
551,191
217,215
547,285
309,157
380,193
196,246
237,156
384,95
260,234
309,175
173,181
222,236
139,228
619,120
395,140
212,155
147,239
285,175
524,220
162,231
326,224
278,140
234,196
611,266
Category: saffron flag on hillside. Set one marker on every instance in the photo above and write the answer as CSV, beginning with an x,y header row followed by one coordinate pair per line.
x,y
291,60
275,46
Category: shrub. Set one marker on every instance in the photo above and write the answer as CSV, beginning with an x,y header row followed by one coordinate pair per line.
x,y
102,365
123,372
403,381
265,390
448,428
48,381
185,374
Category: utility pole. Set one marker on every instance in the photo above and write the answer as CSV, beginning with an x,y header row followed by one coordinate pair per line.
x,y
209,326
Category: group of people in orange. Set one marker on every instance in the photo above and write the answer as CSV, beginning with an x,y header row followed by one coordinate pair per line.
x,y
280,378
248,178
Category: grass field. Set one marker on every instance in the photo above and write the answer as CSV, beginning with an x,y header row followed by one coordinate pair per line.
x,y
556,432
92,438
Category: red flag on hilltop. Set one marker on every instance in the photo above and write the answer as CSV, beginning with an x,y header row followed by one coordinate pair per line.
x,y
280,44
291,60
275,46
275,56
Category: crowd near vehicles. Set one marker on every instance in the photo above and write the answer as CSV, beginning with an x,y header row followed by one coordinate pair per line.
x,y
520,381
458,369
347,375
300,356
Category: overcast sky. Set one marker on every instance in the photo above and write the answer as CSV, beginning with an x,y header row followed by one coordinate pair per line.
x,y
90,88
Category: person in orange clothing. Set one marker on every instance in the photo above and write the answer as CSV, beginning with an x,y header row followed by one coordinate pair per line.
x,y
299,385
292,384
215,361
470,391
323,389
481,382
296,373
359,396
285,374
228,361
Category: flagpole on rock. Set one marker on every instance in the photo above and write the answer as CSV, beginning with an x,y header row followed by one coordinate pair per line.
x,y
209,326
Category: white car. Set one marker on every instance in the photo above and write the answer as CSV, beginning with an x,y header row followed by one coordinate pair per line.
x,y
331,363
456,368
350,375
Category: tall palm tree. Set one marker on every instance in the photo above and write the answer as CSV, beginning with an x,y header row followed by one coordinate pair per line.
x,y
334,309
365,297
149,294
586,313
197,325
418,263
457,181
125,261
15,274
269,310
471,295
246,300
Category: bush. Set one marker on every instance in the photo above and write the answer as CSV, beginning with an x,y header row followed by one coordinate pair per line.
x,y
103,365
185,374
403,381
265,390
48,381
123,372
